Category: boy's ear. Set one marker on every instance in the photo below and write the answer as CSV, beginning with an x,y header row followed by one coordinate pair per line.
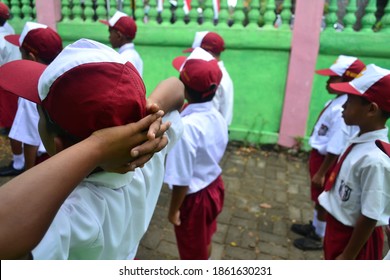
x,y
374,107
59,144
32,57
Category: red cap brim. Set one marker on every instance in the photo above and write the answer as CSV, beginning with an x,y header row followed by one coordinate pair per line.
x,y
385,147
13,39
104,22
326,72
188,50
20,77
344,88
178,62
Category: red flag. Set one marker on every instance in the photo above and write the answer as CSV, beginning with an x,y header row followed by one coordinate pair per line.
x,y
187,6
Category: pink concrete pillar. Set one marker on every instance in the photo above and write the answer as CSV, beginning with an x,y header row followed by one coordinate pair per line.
x,y
48,12
304,51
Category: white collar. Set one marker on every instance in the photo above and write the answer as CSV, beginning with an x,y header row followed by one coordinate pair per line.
x,y
380,134
110,180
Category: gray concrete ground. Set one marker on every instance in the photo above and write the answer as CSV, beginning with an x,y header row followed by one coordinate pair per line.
x,y
266,191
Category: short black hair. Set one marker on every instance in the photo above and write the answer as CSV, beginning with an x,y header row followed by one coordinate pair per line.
x,y
197,97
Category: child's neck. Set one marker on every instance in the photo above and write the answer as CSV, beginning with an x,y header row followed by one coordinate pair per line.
x,y
370,128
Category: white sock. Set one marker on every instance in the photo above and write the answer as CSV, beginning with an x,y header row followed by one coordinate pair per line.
x,y
18,161
315,219
320,228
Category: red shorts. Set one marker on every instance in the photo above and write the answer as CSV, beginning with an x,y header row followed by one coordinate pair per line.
x,y
315,161
337,237
8,107
198,215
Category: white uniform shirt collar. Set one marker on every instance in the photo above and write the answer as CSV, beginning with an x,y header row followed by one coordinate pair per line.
x,y
110,180
197,107
371,136
125,47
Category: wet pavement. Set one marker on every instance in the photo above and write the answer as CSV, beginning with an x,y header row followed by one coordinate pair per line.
x,y
265,192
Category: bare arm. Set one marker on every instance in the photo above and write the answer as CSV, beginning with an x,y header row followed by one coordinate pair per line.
x,y
30,201
362,231
318,179
168,95
178,195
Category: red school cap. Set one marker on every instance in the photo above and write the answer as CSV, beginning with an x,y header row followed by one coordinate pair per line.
x,y
4,11
122,23
199,72
209,41
347,67
372,84
89,86
38,39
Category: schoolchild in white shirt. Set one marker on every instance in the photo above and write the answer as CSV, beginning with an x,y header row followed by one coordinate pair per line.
x,y
192,167
357,193
328,139
8,52
122,29
40,43
214,44
88,87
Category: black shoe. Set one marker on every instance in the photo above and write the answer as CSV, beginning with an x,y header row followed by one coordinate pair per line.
x,y
159,18
10,170
306,230
307,244
4,130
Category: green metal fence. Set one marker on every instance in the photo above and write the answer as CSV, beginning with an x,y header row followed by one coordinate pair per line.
x,y
257,34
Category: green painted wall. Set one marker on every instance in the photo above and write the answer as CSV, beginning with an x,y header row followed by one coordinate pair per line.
x,y
256,58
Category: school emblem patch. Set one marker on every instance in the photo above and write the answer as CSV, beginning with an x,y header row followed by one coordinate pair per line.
x,y
344,191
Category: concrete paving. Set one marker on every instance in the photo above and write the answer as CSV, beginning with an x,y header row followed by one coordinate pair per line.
x,y
266,191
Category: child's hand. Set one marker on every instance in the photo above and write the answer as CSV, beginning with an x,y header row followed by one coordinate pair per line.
x,y
174,218
318,180
115,144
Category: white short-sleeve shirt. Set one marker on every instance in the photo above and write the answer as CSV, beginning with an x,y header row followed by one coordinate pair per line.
x,y
107,214
224,96
194,161
25,125
363,183
331,134
130,54
8,51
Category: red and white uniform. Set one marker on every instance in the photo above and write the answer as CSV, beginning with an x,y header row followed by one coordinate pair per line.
x,y
362,187
194,162
363,183
107,214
